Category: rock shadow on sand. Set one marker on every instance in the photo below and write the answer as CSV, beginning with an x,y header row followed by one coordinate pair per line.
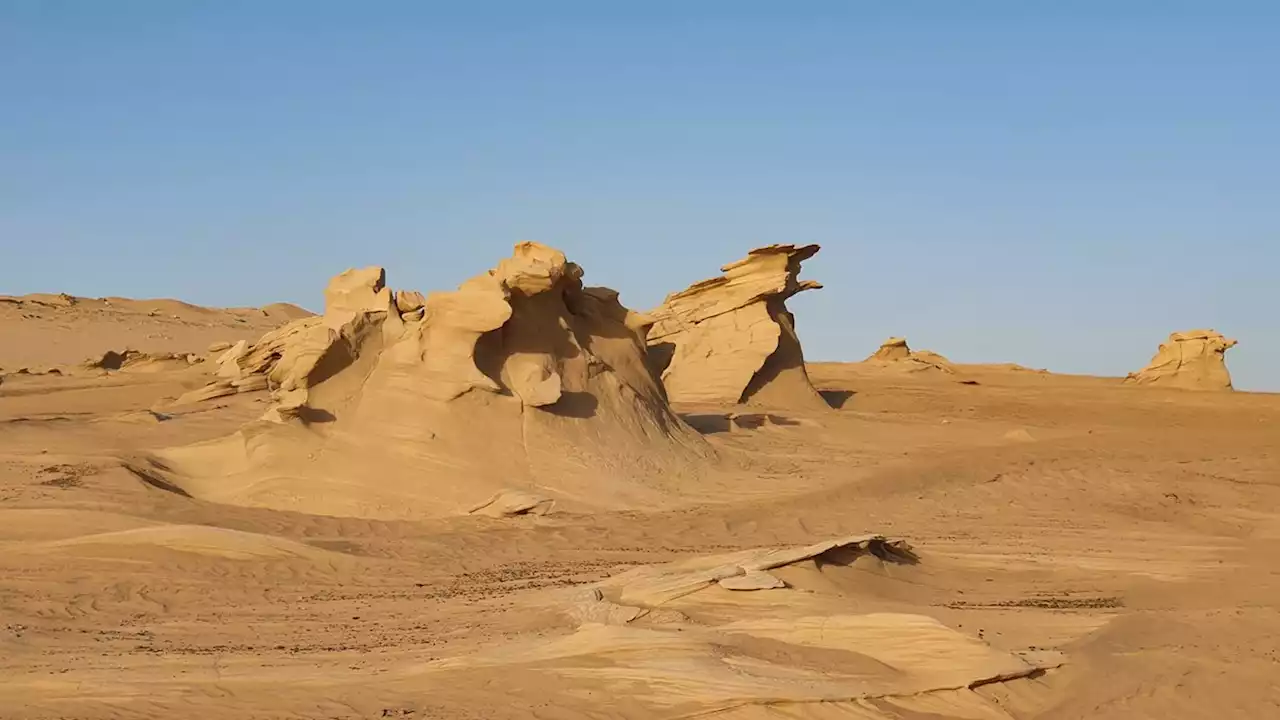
x,y
574,404
714,423
836,399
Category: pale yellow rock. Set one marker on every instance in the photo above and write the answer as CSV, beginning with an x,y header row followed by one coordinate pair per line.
x,y
520,381
731,339
408,301
895,354
358,290
313,348
251,383
221,388
1194,360
895,348
229,361
752,580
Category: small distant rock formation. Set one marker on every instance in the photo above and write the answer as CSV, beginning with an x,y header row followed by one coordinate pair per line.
x,y
731,339
895,348
523,386
896,353
1194,360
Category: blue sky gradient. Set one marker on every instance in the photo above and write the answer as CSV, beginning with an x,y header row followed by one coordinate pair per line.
x,y
1055,184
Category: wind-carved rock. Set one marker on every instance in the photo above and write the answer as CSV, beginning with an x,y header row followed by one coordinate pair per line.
x,y
290,359
1194,360
895,348
731,339
895,353
522,382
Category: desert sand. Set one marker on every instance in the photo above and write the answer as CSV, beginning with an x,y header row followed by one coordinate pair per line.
x,y
521,499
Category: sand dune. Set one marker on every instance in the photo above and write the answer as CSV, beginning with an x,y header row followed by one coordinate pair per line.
x,y
521,499
46,330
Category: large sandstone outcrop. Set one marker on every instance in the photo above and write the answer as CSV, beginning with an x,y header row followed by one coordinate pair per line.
x,y
731,339
896,354
1194,360
521,383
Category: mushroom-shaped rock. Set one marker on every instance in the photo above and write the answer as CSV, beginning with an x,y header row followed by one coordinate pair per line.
x,y
1194,360
731,339
895,348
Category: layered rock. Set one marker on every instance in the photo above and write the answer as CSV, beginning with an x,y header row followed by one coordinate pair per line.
x,y
358,308
522,381
730,339
895,353
1194,360
895,348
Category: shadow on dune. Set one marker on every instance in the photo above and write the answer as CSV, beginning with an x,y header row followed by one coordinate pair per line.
x,y
712,423
837,398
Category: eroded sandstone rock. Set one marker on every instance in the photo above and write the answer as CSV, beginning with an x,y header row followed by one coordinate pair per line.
x,y
896,354
1194,360
731,339
521,380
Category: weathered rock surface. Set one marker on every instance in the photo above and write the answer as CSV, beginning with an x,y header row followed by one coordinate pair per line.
x,y
1194,360
358,308
521,383
895,348
731,339
896,354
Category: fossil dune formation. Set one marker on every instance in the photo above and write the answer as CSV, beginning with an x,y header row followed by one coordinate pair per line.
x,y
553,372
1194,360
484,503
895,348
895,353
730,339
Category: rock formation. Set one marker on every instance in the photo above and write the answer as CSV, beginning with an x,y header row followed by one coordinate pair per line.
x,y
731,339
310,349
895,353
522,382
1194,360
895,348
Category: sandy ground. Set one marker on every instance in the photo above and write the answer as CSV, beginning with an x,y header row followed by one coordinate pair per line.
x,y
1084,549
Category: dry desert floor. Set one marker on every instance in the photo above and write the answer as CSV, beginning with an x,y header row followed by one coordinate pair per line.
x,y
994,543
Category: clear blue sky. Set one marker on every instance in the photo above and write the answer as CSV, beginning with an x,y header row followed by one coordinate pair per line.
x,y
1055,184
